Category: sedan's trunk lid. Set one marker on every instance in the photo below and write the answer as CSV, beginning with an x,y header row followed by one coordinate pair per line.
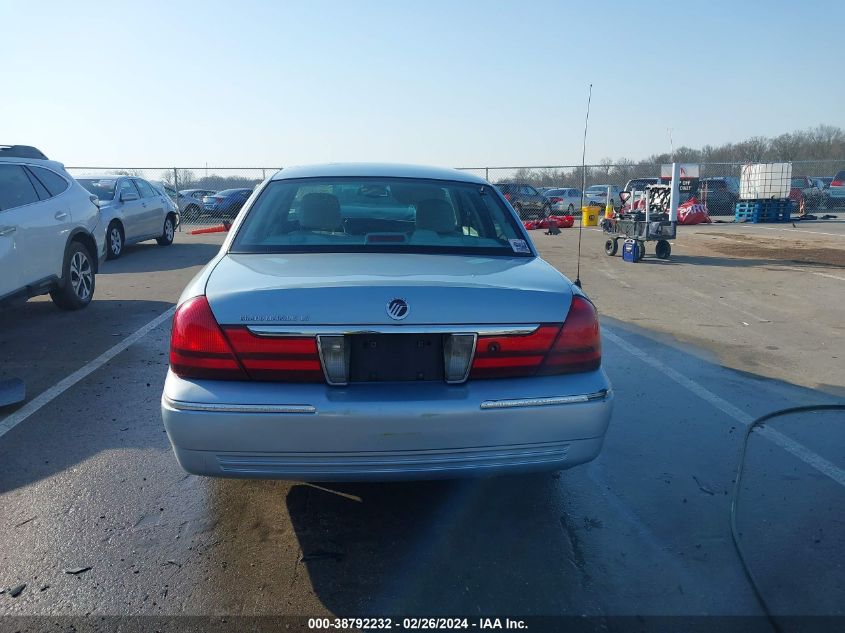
x,y
357,288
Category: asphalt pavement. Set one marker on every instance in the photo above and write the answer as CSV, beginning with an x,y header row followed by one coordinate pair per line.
x,y
696,347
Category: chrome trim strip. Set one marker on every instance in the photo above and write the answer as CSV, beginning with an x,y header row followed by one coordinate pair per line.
x,y
542,402
482,330
180,405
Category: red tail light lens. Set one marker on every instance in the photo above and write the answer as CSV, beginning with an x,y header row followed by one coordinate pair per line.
x,y
198,348
578,346
288,359
837,183
551,349
508,197
509,356
555,199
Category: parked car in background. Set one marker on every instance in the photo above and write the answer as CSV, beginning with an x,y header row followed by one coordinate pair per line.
x,y
564,200
382,322
638,185
836,190
525,200
719,194
598,193
225,204
814,197
166,189
133,211
52,236
190,202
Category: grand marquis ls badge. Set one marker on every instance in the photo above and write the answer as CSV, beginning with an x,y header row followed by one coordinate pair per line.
x,y
397,309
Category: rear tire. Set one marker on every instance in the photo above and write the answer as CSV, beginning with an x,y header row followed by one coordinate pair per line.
x,y
518,208
547,211
641,251
571,208
192,213
610,247
169,231
78,279
663,249
114,240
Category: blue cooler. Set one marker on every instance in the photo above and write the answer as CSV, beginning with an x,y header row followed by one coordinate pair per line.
x,y
631,251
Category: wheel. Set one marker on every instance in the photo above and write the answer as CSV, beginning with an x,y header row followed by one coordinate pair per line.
x,y
518,208
547,210
663,249
78,280
641,250
114,240
192,213
610,247
571,208
169,232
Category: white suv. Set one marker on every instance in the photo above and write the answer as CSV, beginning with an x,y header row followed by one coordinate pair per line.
x,y
51,236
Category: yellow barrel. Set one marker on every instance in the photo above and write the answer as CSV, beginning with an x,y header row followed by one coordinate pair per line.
x,y
590,216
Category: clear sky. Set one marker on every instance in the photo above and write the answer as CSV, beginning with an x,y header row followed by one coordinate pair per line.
x,y
456,83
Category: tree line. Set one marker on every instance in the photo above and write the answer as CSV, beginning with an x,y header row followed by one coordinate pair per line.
x,y
818,146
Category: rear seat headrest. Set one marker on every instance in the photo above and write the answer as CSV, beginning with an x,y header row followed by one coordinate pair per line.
x,y
320,211
436,215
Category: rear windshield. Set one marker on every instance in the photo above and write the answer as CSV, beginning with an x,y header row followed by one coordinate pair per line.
x,y
379,215
103,188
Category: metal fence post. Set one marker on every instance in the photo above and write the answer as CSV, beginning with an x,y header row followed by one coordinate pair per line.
x,y
487,174
176,188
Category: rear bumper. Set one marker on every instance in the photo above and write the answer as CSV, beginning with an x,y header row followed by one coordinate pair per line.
x,y
386,432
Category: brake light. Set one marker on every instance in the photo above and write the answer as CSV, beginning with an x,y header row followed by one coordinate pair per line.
x,y
288,359
555,199
578,346
508,197
837,183
509,356
198,348
551,349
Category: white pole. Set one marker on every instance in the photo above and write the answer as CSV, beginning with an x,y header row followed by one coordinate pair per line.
x,y
676,192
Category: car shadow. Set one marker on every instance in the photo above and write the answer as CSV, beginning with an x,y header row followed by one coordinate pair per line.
x,y
147,257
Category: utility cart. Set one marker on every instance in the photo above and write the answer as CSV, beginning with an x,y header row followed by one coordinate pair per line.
x,y
645,220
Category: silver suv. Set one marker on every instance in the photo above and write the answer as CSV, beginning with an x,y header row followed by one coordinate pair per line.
x,y
51,235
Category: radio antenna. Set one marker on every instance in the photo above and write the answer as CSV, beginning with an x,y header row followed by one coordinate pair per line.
x,y
583,185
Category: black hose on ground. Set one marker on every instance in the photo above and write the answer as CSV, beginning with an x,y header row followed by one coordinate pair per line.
x,y
735,498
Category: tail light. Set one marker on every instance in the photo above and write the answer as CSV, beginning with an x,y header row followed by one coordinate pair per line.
x,y
555,199
570,348
509,197
837,183
200,348
218,199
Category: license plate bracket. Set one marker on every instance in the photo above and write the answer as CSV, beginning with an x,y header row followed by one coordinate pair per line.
x,y
396,357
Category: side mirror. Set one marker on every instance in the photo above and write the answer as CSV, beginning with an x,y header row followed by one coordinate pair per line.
x,y
128,196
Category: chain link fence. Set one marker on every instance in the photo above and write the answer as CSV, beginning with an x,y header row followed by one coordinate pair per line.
x,y
208,195
720,198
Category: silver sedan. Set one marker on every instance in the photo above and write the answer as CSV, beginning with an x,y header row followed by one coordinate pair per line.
x,y
382,322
